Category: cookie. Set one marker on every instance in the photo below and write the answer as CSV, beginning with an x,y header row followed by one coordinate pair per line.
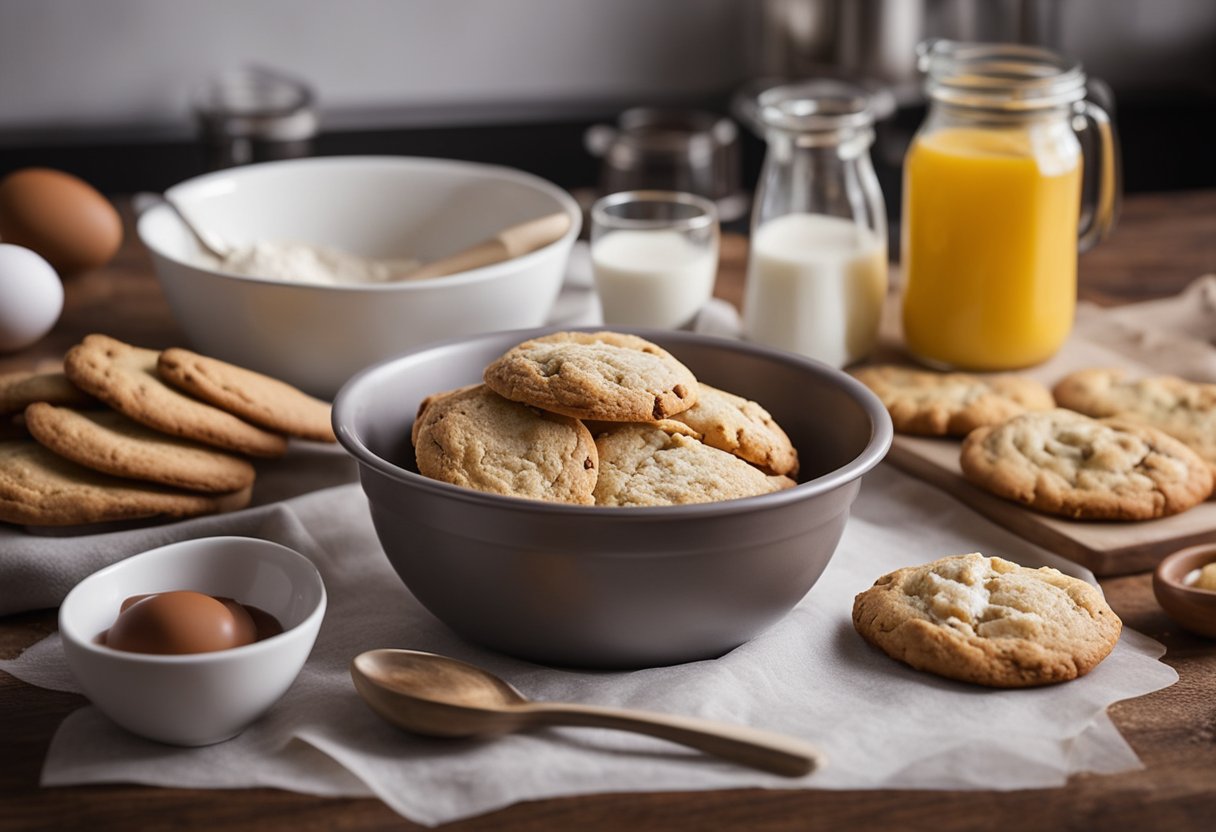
x,y
666,425
925,403
40,488
427,402
19,390
644,465
477,439
733,424
262,400
988,621
1186,410
604,376
124,377
105,440
1062,462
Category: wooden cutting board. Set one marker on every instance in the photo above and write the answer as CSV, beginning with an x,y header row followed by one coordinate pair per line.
x,y
1103,548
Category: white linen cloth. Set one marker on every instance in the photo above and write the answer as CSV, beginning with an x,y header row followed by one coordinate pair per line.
x,y
879,723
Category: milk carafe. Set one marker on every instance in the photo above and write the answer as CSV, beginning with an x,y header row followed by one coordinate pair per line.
x,y
817,268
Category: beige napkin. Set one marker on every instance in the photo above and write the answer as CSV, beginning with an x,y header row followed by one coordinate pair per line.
x,y
37,570
1174,335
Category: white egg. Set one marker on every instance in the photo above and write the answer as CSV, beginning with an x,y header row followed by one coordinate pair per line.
x,y
31,297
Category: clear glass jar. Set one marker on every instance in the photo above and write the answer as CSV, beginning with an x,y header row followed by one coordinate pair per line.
x,y
992,205
817,267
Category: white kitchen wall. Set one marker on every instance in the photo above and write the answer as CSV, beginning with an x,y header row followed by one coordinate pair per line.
x,y
132,63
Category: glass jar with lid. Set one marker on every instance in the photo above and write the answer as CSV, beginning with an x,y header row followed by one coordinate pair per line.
x,y
993,201
817,267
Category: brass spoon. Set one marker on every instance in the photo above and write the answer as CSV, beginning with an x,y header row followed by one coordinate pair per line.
x,y
433,695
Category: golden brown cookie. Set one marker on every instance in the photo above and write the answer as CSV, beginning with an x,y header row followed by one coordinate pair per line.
x,y
733,424
262,400
125,378
926,403
1186,410
604,376
1062,462
40,488
19,390
106,440
988,621
644,465
427,402
667,425
477,439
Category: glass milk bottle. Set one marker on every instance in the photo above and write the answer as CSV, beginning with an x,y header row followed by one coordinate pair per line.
x,y
992,201
817,268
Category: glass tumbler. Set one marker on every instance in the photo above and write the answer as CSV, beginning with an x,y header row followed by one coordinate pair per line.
x,y
654,255
255,114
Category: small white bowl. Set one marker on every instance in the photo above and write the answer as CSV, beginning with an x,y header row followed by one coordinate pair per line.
x,y
201,698
316,337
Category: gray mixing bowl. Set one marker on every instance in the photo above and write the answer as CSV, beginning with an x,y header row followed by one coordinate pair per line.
x,y
613,587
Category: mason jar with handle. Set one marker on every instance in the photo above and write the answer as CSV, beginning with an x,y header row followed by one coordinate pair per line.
x,y
817,266
992,216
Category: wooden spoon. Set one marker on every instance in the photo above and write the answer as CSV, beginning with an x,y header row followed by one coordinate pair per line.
x,y
506,244
440,697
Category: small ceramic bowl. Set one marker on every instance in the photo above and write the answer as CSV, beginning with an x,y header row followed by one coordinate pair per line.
x,y
200,698
1190,606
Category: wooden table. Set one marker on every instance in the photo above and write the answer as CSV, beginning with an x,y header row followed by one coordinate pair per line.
x,y
1162,243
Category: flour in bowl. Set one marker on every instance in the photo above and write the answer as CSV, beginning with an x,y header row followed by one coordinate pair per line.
x,y
307,263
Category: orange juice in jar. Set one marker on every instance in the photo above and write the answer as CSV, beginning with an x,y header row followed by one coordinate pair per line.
x,y
992,197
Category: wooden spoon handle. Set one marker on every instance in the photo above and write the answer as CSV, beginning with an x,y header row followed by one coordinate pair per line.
x,y
738,743
505,245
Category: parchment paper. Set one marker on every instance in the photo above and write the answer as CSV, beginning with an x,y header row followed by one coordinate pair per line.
x,y
879,723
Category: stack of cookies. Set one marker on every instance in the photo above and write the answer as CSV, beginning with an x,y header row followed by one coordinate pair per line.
x,y
1122,450
125,433
600,419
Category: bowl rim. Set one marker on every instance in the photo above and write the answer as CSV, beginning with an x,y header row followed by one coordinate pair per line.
x,y
181,193
1201,553
875,450
172,551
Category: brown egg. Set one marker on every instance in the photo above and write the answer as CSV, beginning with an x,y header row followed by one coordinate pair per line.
x,y
61,217
180,622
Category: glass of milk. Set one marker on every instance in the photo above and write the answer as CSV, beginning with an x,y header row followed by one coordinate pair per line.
x,y
817,267
654,255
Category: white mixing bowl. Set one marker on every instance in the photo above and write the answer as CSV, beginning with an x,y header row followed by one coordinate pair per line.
x,y
316,337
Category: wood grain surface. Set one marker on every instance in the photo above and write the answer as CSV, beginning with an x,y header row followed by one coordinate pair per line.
x,y
1163,242
1105,548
